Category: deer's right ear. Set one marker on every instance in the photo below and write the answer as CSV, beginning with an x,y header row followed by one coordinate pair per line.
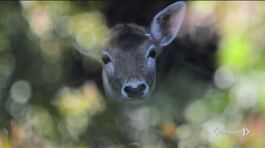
x,y
166,24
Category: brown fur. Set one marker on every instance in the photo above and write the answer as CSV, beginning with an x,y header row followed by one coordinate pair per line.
x,y
128,46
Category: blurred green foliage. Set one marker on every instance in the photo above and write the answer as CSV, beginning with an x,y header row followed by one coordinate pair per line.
x,y
39,106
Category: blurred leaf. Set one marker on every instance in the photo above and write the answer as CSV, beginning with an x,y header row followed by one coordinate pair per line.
x,y
235,52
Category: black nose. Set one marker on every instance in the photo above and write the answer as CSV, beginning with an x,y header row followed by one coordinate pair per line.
x,y
134,92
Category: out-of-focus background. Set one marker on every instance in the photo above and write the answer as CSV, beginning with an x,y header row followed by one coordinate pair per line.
x,y
211,79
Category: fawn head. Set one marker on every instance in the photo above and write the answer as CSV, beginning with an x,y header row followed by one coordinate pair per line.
x,y
129,59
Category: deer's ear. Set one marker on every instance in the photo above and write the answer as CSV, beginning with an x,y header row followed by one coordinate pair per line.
x,y
166,24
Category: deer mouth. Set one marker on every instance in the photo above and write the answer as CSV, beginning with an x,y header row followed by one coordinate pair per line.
x,y
136,96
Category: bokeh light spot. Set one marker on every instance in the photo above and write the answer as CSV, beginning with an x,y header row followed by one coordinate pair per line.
x,y
21,91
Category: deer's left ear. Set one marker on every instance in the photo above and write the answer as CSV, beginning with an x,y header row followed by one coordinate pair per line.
x,y
166,24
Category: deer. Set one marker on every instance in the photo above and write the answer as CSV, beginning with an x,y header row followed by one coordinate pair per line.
x,y
129,72
129,66
129,59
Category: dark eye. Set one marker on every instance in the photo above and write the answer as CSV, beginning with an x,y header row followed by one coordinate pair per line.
x,y
152,54
106,59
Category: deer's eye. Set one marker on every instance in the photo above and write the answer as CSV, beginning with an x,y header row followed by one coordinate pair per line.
x,y
106,59
152,54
